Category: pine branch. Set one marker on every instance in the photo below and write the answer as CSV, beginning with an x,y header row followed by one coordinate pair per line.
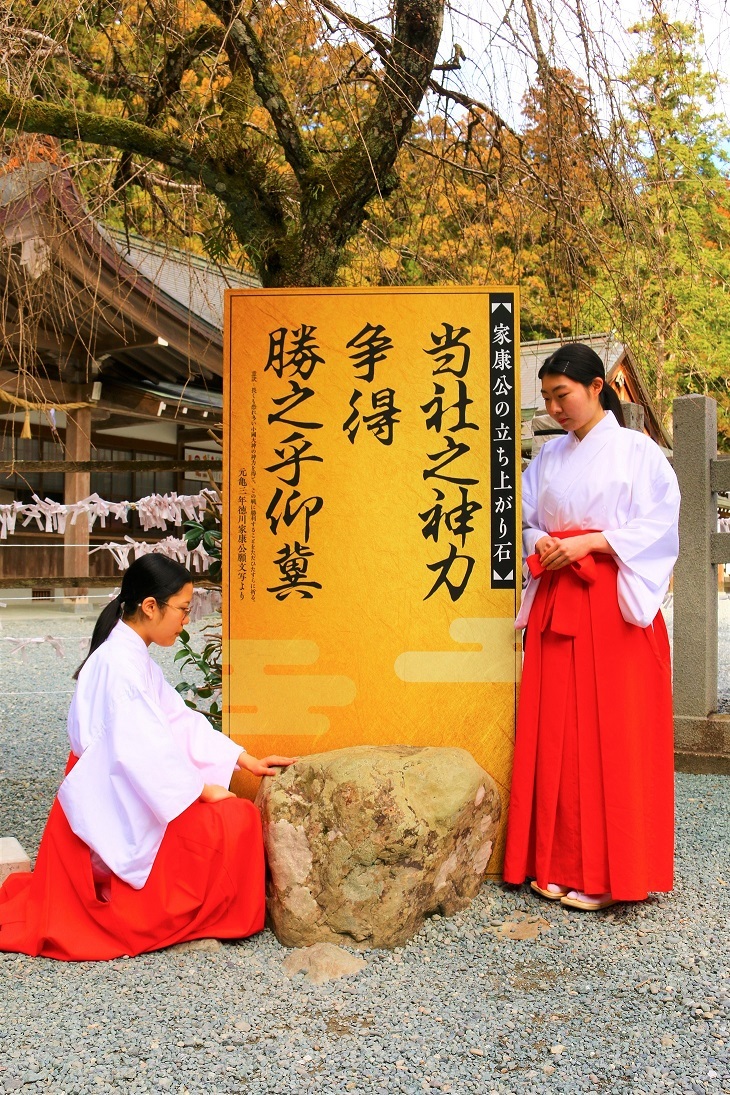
x,y
237,192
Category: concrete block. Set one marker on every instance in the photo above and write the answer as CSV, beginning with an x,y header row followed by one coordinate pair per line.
x,y
702,764
702,735
12,858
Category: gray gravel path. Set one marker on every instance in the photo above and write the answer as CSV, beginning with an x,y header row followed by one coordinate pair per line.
x,y
636,999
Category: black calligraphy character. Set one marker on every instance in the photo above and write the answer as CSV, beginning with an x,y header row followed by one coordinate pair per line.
x,y
303,356
453,450
295,459
457,520
444,566
275,360
310,506
352,425
293,563
432,518
450,340
436,406
372,346
287,403
381,423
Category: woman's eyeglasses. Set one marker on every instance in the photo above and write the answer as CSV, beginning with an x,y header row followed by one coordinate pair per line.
x,y
185,610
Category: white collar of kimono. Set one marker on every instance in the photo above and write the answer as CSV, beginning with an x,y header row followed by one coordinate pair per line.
x,y
122,632
608,422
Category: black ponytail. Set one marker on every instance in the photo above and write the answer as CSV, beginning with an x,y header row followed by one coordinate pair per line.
x,y
611,402
580,363
152,575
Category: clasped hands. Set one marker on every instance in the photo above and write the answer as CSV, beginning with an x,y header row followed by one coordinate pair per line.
x,y
556,554
269,766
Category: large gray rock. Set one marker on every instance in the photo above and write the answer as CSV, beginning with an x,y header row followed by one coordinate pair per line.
x,y
363,843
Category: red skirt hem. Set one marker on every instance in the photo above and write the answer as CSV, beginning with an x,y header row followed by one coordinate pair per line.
x,y
592,801
207,881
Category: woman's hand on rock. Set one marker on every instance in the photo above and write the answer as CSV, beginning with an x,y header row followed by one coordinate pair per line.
x,y
269,766
213,792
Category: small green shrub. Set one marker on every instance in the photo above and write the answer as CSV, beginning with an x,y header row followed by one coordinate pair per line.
x,y
205,695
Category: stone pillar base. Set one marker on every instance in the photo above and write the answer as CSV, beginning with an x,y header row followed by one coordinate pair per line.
x,y
12,858
702,744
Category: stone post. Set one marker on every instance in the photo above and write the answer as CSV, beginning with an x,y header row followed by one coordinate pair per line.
x,y
695,578
633,416
77,485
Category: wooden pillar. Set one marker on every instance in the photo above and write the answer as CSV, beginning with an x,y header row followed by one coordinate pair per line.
x,y
77,485
180,483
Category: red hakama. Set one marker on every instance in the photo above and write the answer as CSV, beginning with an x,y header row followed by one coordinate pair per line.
x,y
592,803
207,881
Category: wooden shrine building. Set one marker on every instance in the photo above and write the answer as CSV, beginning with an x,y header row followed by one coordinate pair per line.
x,y
111,357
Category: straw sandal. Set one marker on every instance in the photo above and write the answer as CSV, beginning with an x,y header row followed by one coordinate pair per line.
x,y
551,895
572,900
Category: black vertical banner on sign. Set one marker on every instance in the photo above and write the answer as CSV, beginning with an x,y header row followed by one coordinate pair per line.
x,y
505,551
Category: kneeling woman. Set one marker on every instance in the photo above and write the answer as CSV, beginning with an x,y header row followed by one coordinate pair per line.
x,y
591,812
145,846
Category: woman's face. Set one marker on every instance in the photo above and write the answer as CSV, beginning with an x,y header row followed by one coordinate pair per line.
x,y
573,406
174,614
162,621
165,620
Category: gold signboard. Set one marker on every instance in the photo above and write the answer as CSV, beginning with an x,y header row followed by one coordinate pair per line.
x,y
372,555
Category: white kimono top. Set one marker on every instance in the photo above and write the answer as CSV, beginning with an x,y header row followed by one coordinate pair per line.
x,y
144,756
618,482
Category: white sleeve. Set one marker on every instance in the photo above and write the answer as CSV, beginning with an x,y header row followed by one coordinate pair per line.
x,y
214,755
531,531
128,784
646,546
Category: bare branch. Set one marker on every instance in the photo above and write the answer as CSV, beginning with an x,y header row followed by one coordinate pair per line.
x,y
544,67
474,105
242,37
447,162
168,77
102,80
366,168
367,30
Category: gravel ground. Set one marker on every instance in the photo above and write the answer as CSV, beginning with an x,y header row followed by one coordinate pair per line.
x,y
636,999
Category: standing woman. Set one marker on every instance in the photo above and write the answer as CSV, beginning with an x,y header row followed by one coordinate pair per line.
x,y
591,815
145,846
